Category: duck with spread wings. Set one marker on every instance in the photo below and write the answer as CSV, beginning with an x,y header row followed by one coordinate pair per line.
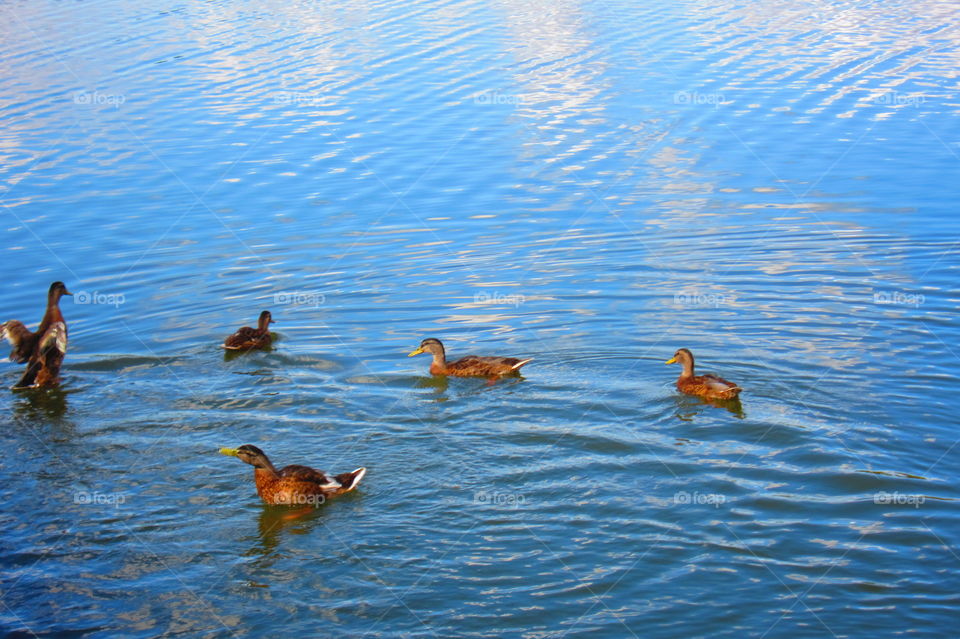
x,y
42,350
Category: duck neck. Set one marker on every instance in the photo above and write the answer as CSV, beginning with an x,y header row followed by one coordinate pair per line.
x,y
687,371
264,325
439,364
52,314
265,471
264,478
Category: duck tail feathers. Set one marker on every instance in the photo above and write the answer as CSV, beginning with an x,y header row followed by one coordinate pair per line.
x,y
349,481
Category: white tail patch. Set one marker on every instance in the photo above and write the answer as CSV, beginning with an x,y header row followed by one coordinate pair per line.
x,y
520,363
357,476
331,483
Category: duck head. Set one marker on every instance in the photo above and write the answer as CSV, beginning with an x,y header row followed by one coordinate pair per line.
x,y
432,346
57,290
685,357
249,454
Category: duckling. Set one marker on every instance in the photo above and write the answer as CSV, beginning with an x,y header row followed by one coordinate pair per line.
x,y
247,338
469,366
42,351
293,485
709,386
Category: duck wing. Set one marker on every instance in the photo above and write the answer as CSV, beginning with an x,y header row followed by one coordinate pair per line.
x,y
43,367
305,474
54,340
476,365
243,336
21,338
719,386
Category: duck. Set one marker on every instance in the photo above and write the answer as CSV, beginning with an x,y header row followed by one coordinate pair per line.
x,y
469,366
293,485
708,386
42,350
247,338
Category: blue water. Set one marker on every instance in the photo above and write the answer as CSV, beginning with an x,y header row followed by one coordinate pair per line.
x,y
591,184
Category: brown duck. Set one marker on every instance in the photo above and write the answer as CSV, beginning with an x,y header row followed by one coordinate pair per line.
x,y
469,366
709,386
247,338
293,485
43,350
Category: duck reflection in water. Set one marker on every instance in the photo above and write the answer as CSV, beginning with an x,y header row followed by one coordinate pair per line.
x,y
689,406
275,520
439,384
39,403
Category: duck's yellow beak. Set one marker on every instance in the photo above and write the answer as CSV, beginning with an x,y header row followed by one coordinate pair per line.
x,y
232,452
671,360
416,352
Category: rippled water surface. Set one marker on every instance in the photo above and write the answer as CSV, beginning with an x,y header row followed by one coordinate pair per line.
x,y
592,184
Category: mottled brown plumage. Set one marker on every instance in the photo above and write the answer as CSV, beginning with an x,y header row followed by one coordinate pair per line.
x,y
43,350
469,366
293,485
247,338
709,386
